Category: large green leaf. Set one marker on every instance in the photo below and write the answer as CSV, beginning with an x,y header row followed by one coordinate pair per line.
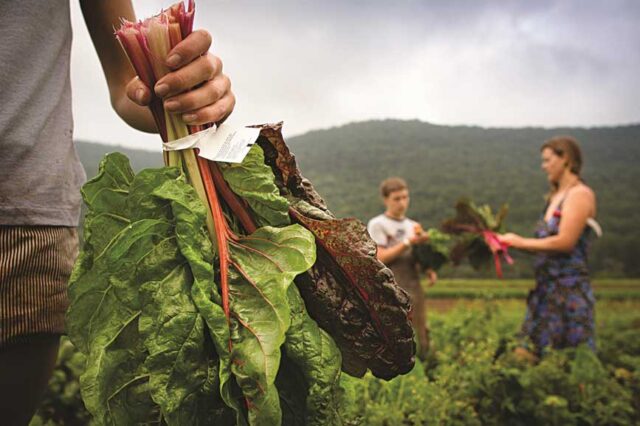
x,y
131,310
263,266
243,180
197,249
183,368
103,320
113,385
253,180
105,195
146,310
318,358
182,362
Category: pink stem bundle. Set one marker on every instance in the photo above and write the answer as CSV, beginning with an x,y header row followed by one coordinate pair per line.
x,y
147,44
498,248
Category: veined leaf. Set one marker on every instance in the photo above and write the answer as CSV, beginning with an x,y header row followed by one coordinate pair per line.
x,y
348,291
132,312
253,180
263,266
318,358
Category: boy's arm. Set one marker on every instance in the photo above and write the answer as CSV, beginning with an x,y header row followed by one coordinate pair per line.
x,y
379,236
387,255
212,101
432,276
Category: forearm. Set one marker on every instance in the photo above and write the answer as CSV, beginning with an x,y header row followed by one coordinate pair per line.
x,y
577,208
101,17
554,243
389,254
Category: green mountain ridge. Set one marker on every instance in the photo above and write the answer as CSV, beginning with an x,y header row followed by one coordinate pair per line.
x,y
443,163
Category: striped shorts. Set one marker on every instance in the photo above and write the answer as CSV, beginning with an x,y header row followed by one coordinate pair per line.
x,y
35,265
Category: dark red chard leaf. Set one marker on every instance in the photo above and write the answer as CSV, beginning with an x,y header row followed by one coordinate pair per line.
x,y
284,166
370,321
465,220
348,292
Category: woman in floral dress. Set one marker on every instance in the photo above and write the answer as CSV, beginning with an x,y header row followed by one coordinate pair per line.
x,y
560,309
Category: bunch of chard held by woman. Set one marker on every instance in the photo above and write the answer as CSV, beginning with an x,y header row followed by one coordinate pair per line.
x,y
477,228
223,293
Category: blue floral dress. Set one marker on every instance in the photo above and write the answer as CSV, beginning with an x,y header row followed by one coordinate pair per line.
x,y
560,309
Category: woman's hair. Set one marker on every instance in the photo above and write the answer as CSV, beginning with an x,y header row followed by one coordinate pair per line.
x,y
567,148
392,184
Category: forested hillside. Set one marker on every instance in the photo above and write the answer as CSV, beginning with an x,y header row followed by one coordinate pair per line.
x,y
444,163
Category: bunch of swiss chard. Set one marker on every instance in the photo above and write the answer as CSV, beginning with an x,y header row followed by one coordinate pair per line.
x,y
477,228
223,293
434,253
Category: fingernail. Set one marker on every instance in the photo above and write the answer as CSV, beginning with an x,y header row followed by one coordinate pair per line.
x,y
140,95
172,105
173,60
162,89
189,117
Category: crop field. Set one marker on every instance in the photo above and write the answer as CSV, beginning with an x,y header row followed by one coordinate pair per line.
x,y
472,376
604,289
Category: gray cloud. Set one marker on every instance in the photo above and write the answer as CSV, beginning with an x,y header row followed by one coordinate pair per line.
x,y
319,64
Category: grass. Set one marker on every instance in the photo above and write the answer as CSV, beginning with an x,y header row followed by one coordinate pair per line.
x,y
605,289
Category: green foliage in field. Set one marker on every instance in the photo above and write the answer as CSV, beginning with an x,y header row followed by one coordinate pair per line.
x,y
62,404
473,378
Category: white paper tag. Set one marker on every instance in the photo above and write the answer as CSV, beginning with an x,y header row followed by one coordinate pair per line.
x,y
225,143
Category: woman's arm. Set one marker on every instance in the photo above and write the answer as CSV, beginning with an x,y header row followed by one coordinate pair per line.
x,y
577,208
212,101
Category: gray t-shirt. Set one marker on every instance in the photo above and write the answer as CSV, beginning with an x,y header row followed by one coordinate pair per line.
x,y
40,174
388,232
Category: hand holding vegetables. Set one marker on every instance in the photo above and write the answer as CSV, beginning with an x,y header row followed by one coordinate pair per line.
x,y
433,253
420,235
210,98
511,239
478,229
195,86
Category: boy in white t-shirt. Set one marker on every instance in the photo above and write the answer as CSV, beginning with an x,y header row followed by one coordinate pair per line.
x,y
395,234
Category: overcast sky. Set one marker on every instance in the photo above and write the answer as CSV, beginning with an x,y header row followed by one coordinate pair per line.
x,y
323,63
